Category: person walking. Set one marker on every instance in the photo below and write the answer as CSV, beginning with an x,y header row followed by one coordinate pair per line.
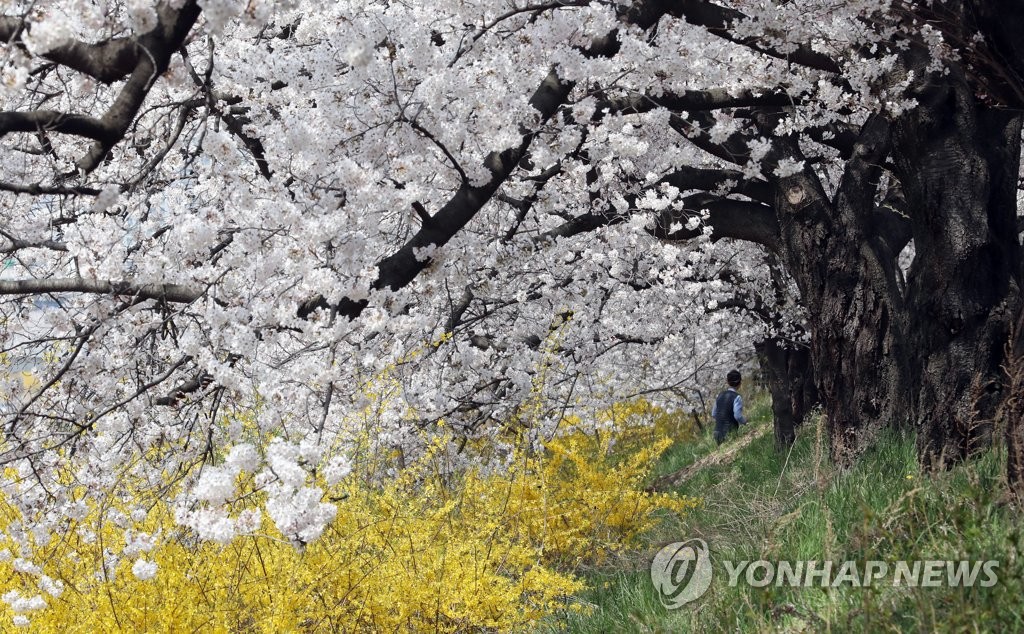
x,y
728,408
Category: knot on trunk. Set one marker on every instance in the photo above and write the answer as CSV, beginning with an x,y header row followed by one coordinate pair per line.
x,y
795,194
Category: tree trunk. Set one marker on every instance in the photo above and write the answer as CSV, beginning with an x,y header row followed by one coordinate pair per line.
x,y
774,368
848,281
958,163
860,358
803,394
930,353
786,369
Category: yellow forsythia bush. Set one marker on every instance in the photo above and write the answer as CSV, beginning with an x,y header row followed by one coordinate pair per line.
x,y
420,552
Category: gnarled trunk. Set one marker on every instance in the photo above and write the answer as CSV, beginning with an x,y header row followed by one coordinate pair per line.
x,y
848,280
930,353
958,163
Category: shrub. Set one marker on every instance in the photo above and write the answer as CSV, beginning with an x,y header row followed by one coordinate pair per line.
x,y
423,550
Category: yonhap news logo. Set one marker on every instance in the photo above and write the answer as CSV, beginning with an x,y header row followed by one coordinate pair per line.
x,y
681,573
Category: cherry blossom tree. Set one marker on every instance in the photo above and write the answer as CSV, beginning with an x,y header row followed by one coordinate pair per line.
x,y
218,210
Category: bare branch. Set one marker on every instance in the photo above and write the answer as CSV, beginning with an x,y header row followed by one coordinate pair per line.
x,y
441,146
529,8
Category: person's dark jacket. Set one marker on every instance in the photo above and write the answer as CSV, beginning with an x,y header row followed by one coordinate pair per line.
x,y
728,413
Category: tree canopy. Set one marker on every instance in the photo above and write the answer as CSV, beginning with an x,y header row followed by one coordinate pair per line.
x,y
224,208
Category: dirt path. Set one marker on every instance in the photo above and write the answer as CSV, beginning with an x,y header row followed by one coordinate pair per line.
x,y
719,456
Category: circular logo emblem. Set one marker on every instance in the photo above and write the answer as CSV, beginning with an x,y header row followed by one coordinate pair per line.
x,y
681,572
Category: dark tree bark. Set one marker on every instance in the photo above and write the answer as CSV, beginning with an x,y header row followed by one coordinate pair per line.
x,y
772,357
958,161
848,281
786,369
928,353
803,393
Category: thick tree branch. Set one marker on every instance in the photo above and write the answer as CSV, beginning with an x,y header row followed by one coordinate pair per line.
x,y
35,189
696,129
106,61
52,121
254,145
687,178
729,218
157,48
18,244
696,100
176,293
151,57
180,391
400,268
718,20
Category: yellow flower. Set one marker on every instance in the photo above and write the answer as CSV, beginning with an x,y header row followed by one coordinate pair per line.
x,y
424,551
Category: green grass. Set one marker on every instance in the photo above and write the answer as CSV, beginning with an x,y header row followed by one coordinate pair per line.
x,y
683,454
766,505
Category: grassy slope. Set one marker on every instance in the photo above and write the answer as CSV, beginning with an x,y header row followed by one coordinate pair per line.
x,y
763,505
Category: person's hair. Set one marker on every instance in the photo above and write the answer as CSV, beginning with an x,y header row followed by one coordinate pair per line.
x,y
734,378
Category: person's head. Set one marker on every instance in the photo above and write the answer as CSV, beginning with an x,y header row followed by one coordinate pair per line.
x,y
734,378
